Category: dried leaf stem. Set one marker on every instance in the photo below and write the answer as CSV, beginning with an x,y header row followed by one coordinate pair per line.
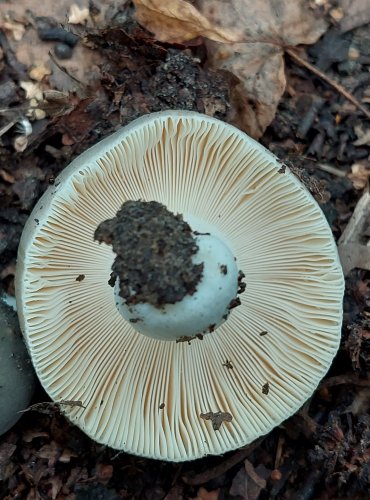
x,y
345,93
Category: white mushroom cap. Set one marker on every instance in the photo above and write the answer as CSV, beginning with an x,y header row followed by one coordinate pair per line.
x,y
161,399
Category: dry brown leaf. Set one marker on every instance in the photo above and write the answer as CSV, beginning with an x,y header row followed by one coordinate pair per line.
x,y
179,21
360,175
353,245
245,38
259,67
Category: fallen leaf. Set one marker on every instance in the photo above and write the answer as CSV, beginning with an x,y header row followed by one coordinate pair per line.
x,y
360,175
248,482
178,21
245,38
353,247
259,67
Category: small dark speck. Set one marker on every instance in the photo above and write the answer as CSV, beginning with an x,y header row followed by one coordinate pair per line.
x,y
51,180
135,320
80,277
282,169
234,303
223,269
263,333
265,388
228,365
69,302
37,221
161,406
101,402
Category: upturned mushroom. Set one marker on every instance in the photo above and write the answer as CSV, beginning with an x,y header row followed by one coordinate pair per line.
x,y
181,284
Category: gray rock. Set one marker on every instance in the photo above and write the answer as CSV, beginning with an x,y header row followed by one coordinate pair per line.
x,y
17,379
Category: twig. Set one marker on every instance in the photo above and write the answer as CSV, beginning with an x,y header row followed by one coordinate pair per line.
x,y
239,456
64,70
332,170
351,98
345,379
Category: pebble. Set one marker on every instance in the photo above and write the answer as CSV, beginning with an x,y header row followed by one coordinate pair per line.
x,y
58,35
63,51
17,379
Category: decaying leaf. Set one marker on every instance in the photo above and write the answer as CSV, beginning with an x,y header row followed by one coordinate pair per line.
x,y
245,38
353,246
249,481
179,21
217,418
360,174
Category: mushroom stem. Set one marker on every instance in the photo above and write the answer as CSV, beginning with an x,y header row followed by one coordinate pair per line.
x,y
170,282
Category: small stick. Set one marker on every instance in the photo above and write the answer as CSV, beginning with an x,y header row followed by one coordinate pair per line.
x,y
345,379
332,170
293,54
218,470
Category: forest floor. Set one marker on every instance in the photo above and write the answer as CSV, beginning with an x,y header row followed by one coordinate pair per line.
x,y
117,72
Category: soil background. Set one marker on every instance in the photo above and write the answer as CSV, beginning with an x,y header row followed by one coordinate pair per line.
x,y
116,72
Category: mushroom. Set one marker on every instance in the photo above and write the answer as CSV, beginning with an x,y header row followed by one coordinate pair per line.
x,y
17,380
149,382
